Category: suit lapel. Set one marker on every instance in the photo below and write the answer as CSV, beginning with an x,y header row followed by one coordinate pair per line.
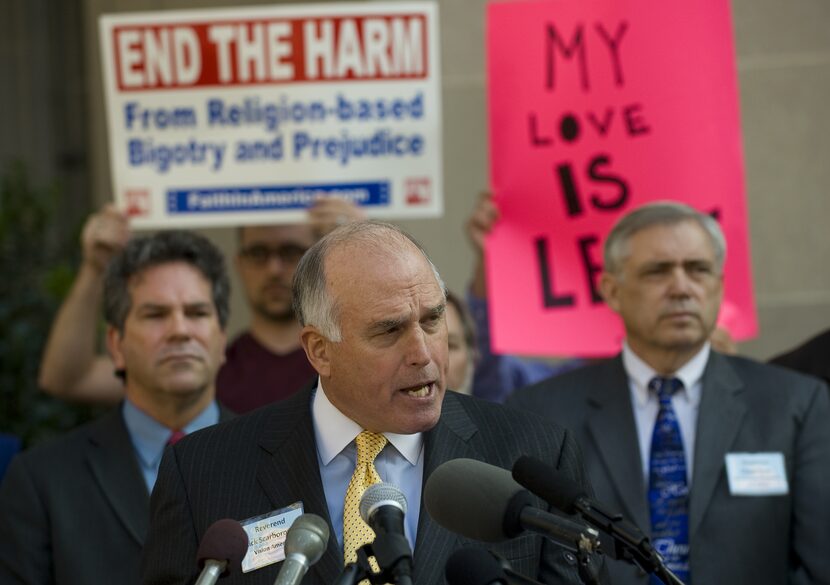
x,y
290,472
447,440
113,464
718,421
613,430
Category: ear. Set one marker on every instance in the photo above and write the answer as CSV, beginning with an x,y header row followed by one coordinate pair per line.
x,y
316,347
609,288
114,340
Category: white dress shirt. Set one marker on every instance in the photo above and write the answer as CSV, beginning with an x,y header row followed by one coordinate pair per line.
x,y
645,404
401,462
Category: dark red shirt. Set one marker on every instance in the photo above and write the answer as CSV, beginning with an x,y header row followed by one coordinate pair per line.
x,y
253,376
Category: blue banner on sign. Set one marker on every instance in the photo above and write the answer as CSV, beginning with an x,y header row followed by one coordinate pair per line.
x,y
264,197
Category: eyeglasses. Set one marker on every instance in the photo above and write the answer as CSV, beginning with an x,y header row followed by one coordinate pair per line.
x,y
259,254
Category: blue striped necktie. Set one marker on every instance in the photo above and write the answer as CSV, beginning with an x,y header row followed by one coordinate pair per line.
x,y
668,491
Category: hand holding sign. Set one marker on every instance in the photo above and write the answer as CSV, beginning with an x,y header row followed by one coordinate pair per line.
x,y
327,213
105,234
479,225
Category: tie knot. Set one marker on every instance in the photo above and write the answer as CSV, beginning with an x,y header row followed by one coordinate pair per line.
x,y
175,437
369,444
665,387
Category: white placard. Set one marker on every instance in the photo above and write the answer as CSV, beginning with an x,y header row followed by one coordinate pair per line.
x,y
246,115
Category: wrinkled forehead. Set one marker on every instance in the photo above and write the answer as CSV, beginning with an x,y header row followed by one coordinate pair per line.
x,y
366,268
169,280
682,240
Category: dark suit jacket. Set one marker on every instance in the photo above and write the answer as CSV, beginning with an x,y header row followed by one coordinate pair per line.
x,y
268,459
75,511
745,407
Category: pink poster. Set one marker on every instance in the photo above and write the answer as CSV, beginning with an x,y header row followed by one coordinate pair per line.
x,y
597,107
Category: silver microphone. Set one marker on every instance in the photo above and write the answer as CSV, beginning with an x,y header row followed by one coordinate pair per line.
x,y
305,543
383,507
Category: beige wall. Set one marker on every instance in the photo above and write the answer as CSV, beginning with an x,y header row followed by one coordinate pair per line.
x,y
784,66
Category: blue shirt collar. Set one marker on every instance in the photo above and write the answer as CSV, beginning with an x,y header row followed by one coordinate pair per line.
x,y
149,437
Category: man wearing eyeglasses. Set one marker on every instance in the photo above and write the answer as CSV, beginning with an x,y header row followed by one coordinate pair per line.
x,y
266,362
263,364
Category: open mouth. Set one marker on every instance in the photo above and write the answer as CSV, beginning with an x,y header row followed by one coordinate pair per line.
x,y
421,391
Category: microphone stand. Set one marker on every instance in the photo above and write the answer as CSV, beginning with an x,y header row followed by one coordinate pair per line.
x,y
586,546
587,561
588,568
392,555
666,576
630,544
356,572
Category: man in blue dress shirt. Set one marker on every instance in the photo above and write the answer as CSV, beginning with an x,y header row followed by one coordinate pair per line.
x,y
75,511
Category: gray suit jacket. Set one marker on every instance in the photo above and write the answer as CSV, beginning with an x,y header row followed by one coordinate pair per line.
x,y
268,459
75,511
745,407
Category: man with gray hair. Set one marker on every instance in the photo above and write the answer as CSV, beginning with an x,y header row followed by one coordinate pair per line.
x,y
74,511
372,309
722,460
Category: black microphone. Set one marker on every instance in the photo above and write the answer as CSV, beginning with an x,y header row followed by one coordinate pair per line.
x,y
305,543
221,550
383,508
561,492
480,501
476,566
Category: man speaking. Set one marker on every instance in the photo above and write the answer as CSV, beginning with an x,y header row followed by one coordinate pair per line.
x,y
372,305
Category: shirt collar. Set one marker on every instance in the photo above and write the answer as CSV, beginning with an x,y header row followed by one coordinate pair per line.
x,y
334,431
150,437
691,374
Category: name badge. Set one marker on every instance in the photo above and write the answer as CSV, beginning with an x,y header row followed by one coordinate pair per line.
x,y
266,536
757,474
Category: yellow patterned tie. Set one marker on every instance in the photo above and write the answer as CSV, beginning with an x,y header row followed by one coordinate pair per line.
x,y
356,532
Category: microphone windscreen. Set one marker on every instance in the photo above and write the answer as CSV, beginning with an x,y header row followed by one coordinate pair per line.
x,y
474,499
548,483
380,494
308,536
473,566
224,540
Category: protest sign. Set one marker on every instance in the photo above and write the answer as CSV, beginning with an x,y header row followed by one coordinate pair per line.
x,y
246,115
597,107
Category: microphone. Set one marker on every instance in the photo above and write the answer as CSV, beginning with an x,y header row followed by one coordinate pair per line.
x,y
305,543
476,566
564,494
221,550
383,507
482,502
